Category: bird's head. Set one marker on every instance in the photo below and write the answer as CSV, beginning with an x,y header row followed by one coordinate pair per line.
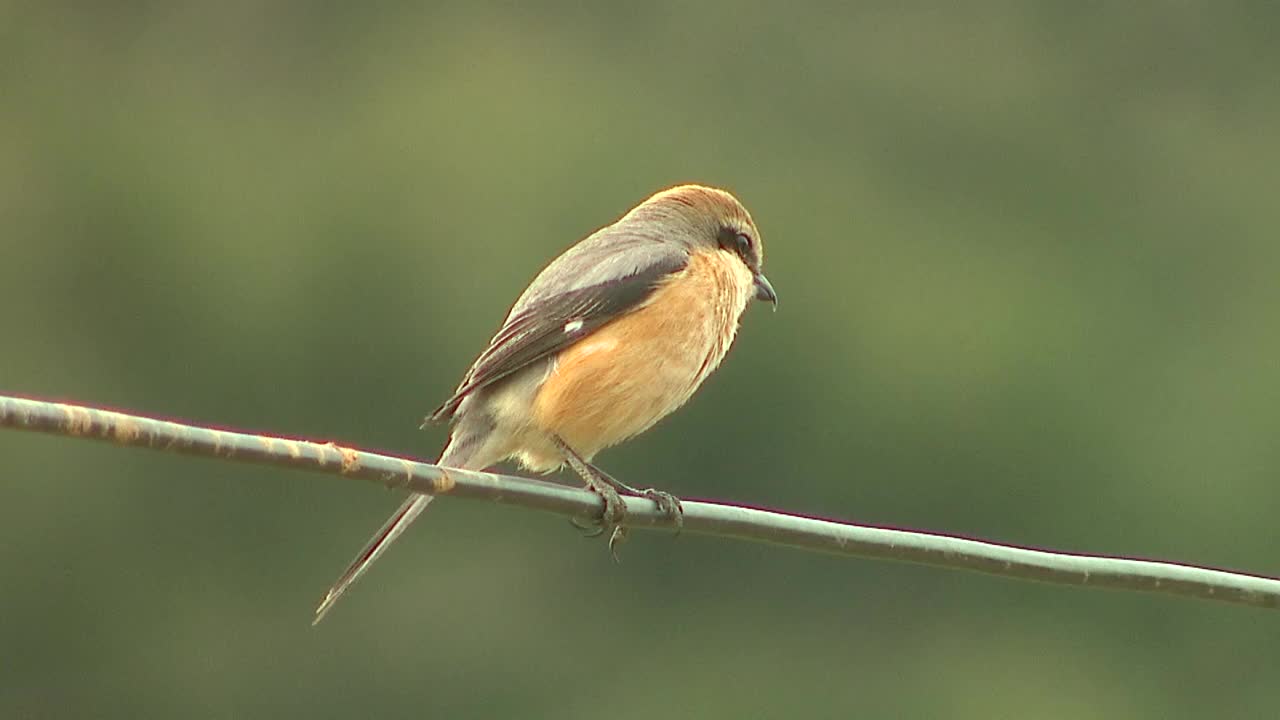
x,y
709,220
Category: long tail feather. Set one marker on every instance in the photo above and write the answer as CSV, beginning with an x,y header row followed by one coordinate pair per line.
x,y
377,545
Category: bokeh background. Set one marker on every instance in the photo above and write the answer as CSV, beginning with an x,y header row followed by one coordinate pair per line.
x,y
1027,257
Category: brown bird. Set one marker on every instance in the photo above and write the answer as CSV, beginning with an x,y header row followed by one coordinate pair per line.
x,y
612,336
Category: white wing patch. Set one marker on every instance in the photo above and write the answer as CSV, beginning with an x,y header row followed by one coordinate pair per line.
x,y
573,326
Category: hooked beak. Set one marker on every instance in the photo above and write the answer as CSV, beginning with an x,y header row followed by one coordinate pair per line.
x,y
764,290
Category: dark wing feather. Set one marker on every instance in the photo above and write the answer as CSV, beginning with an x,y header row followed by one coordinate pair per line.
x,y
538,328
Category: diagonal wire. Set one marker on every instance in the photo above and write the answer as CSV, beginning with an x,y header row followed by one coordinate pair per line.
x,y
709,518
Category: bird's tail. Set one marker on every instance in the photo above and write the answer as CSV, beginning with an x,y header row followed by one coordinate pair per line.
x,y
466,449
373,550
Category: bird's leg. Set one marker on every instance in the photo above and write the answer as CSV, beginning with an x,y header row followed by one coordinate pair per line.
x,y
666,502
602,485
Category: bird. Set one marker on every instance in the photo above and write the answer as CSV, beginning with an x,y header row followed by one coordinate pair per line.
x,y
613,335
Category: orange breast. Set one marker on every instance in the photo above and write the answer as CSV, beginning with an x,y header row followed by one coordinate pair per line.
x,y
632,372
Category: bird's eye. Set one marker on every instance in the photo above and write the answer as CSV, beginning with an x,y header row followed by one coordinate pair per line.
x,y
736,242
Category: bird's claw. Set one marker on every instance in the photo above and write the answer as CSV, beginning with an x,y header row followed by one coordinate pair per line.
x,y
615,509
616,538
588,529
668,504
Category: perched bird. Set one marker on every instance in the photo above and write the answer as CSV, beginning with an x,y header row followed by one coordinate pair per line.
x,y
613,335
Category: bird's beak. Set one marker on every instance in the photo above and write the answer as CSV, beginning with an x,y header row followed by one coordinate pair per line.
x,y
764,290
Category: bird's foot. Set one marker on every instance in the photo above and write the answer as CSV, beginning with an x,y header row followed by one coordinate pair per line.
x,y
617,535
667,503
610,491
610,520
615,509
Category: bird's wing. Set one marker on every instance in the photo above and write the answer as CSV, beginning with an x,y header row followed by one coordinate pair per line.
x,y
594,282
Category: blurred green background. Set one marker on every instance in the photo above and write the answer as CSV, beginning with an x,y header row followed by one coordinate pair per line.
x,y
1027,258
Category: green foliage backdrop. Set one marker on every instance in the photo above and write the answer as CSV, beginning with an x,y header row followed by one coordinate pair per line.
x,y
1027,258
